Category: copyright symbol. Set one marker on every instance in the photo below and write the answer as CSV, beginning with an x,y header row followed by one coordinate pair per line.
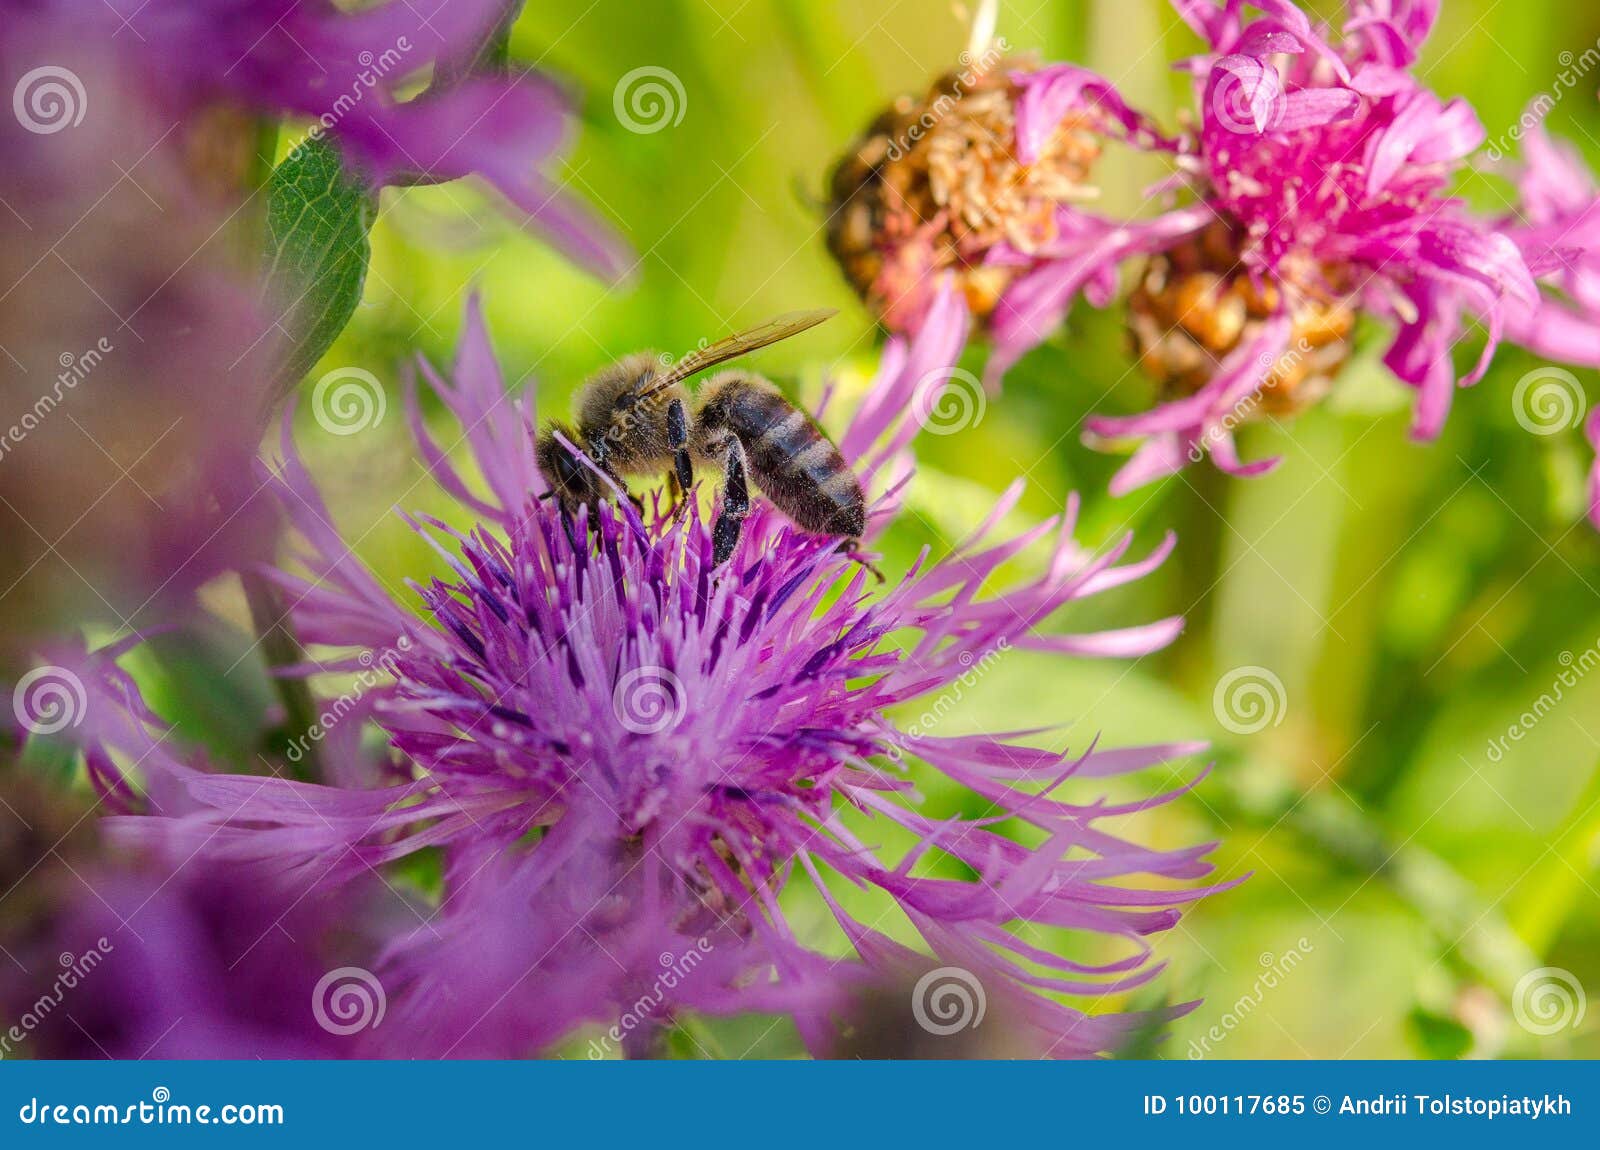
x,y
1321,1104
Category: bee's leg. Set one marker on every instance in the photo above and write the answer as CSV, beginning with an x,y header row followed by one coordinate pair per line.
x,y
735,506
569,529
678,440
847,548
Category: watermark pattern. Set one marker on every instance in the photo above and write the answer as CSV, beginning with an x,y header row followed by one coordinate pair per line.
x,y
1277,968
373,69
674,969
375,669
348,400
1248,700
1576,668
974,669
948,1000
649,99
1548,401
48,700
648,700
74,968
49,99
348,1000
1548,1000
74,370
948,400
1273,369
160,1110
1247,96
965,79
1573,69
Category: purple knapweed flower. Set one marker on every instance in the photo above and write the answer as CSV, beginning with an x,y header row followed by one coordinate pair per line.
x,y
1557,226
631,761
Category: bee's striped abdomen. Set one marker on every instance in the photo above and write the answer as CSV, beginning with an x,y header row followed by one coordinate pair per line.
x,y
792,461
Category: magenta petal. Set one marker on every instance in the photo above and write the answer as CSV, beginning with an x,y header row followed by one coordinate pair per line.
x,y
1591,430
1051,94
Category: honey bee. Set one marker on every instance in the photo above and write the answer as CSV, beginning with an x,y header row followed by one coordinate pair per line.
x,y
636,417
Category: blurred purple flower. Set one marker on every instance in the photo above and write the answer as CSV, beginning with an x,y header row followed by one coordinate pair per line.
x,y
1557,227
149,961
137,356
208,65
625,757
132,362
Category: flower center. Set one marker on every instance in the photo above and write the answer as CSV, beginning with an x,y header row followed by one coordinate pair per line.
x,y
1196,303
935,185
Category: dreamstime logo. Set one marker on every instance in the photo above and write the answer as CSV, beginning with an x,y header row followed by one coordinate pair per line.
x,y
1548,401
74,969
49,699
1249,700
1247,98
948,400
74,370
49,99
348,400
675,969
348,1000
1548,1000
1573,69
649,700
375,669
947,1000
1574,668
649,99
373,69
971,74
1275,968
973,668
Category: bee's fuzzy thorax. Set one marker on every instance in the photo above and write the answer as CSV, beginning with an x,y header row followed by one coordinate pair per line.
x,y
621,421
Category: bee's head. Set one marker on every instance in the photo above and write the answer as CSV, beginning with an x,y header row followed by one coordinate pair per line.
x,y
572,481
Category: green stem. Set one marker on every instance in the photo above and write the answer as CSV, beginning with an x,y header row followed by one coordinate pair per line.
x,y
1473,934
1556,885
281,649
267,613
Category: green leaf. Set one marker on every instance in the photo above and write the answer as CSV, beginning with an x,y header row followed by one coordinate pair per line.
x,y
318,220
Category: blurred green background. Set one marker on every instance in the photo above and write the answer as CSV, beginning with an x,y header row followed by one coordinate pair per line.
x,y
1411,600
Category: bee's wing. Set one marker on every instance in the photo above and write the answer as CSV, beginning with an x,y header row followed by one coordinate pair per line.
x,y
740,343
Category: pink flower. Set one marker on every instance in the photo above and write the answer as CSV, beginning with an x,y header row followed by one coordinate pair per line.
x,y
977,190
1327,169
